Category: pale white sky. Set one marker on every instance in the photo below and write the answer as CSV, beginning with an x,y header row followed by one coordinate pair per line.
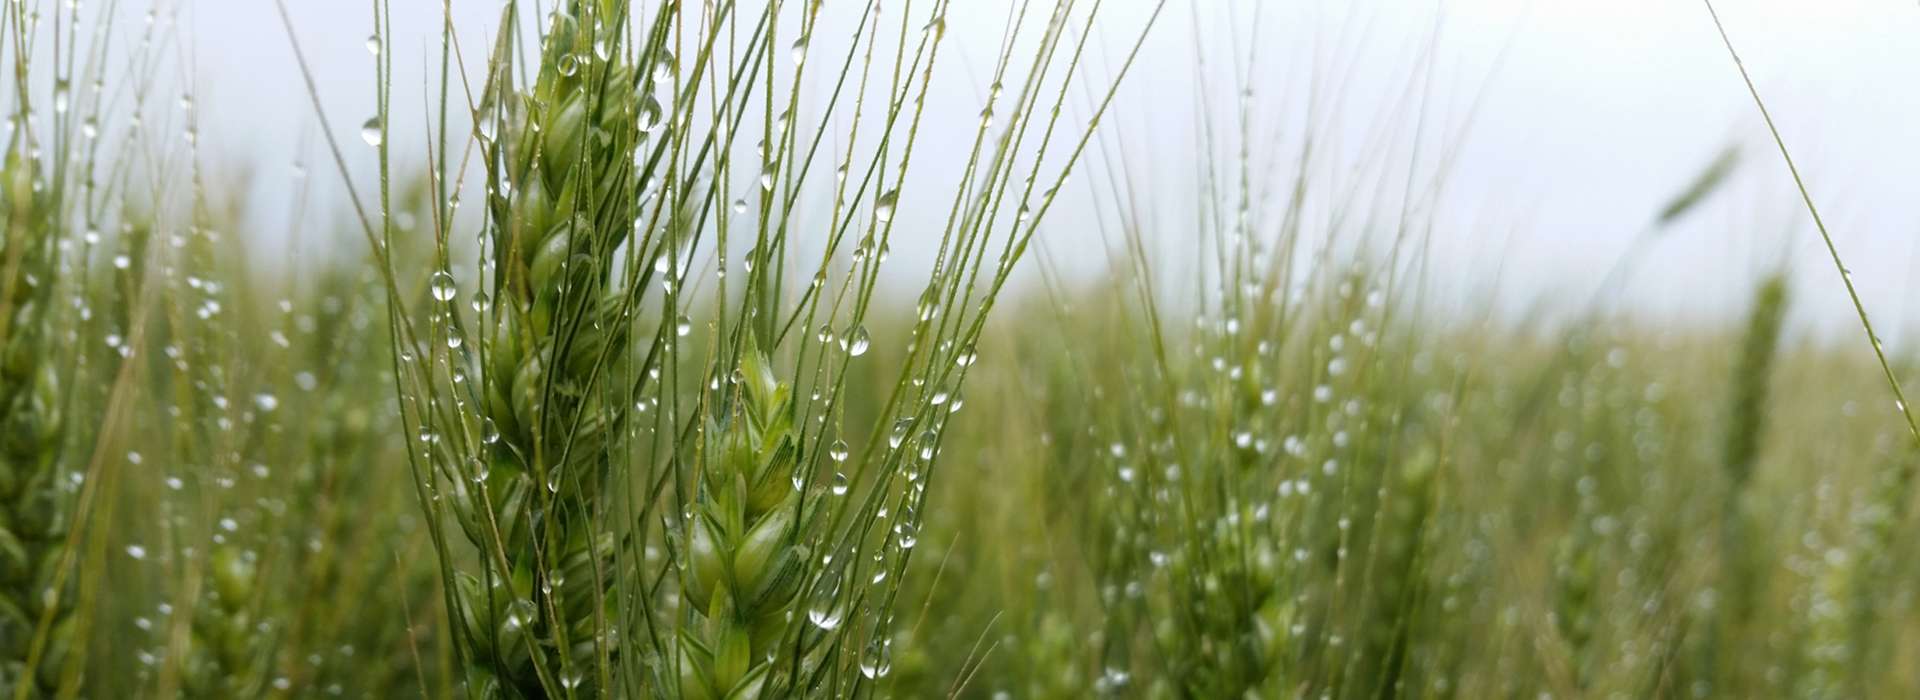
x,y
1589,116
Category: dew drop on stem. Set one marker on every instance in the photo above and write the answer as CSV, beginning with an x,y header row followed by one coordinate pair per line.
x,y
371,132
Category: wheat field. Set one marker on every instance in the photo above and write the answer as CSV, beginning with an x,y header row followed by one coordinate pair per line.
x,y
696,350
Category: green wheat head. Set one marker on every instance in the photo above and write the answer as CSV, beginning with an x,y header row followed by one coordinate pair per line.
x,y
563,182
33,515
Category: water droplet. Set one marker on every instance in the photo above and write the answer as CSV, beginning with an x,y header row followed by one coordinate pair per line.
x,y
373,44
929,305
859,341
840,484
650,110
682,326
899,435
443,287
136,551
928,440
838,451
520,613
877,660
822,610
664,67
371,131
799,51
883,207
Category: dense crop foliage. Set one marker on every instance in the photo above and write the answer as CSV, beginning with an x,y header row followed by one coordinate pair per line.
x,y
621,392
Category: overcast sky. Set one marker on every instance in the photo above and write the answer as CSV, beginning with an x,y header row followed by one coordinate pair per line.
x,y
1585,118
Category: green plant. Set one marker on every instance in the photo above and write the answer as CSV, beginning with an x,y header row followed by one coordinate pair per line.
x,y
1745,430
36,625
631,396
642,522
